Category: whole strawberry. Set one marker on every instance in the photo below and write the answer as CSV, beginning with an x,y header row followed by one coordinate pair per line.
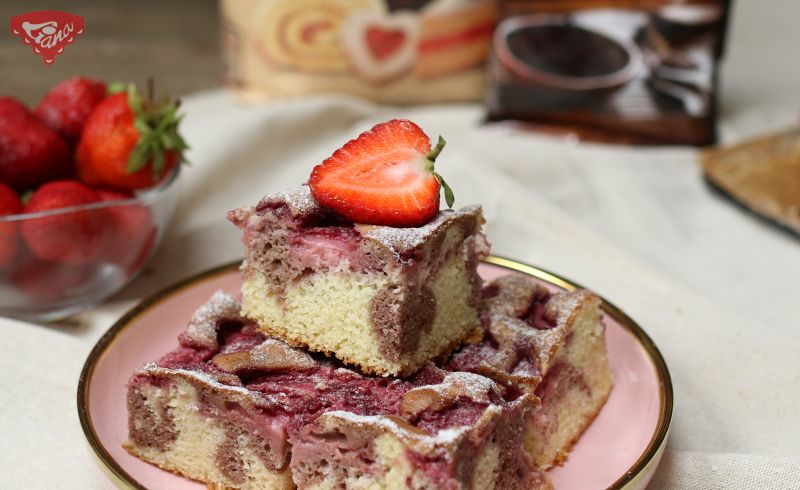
x,y
13,108
74,237
30,152
9,231
383,177
129,143
133,229
66,106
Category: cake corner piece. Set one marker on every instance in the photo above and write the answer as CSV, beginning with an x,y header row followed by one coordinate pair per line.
x,y
173,421
565,362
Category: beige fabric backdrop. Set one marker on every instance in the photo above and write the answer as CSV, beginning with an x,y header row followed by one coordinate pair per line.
x,y
716,290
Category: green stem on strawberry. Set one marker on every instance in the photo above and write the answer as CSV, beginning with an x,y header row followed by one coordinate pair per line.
x,y
157,124
449,198
436,150
26,196
117,87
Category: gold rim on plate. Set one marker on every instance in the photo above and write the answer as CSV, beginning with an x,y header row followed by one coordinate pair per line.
x,y
122,479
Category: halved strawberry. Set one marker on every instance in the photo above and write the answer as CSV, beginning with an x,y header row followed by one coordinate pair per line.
x,y
383,177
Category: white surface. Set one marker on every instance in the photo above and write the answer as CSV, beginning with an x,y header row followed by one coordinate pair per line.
x,y
717,290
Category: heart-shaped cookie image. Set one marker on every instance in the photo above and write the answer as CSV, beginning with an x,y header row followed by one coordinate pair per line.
x,y
381,47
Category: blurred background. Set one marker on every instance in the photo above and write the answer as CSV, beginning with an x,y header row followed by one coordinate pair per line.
x,y
134,40
123,41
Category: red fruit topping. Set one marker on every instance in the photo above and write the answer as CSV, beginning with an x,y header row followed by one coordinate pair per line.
x,y
74,237
9,231
66,106
383,177
129,143
30,152
133,230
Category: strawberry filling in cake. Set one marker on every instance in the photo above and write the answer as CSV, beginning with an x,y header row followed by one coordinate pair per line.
x,y
383,298
236,409
551,345
361,265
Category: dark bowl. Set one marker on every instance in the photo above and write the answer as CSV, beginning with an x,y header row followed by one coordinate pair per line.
x,y
682,24
562,60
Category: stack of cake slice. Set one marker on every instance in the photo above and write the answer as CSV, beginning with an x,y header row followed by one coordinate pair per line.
x,y
371,357
234,408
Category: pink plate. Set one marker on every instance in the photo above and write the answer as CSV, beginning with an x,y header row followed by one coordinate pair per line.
x,y
621,449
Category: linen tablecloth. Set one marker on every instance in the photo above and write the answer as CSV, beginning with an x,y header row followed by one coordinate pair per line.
x,y
717,290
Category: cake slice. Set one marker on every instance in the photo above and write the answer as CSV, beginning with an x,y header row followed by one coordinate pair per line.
x,y
190,417
382,298
448,431
551,345
233,408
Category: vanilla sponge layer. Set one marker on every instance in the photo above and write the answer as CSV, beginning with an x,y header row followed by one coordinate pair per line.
x,y
390,470
562,419
193,454
330,312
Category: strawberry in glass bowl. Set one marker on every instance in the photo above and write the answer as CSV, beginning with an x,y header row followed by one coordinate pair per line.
x,y
88,184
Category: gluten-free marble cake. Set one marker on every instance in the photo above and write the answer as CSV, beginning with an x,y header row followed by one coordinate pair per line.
x,y
550,345
233,408
382,298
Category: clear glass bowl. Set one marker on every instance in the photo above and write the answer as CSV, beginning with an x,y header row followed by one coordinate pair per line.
x,y
124,235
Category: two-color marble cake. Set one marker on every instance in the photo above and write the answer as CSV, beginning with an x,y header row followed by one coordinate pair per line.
x,y
367,356
382,298
549,345
233,408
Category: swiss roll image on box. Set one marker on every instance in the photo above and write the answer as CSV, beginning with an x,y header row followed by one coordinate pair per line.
x,y
393,51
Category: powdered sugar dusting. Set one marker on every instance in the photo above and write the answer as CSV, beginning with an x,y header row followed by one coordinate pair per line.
x,y
444,437
274,352
519,351
401,240
207,379
462,384
202,329
564,305
298,199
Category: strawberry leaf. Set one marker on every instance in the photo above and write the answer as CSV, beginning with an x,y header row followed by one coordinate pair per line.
x,y
449,197
141,126
157,124
158,163
117,87
430,158
137,159
135,101
26,197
